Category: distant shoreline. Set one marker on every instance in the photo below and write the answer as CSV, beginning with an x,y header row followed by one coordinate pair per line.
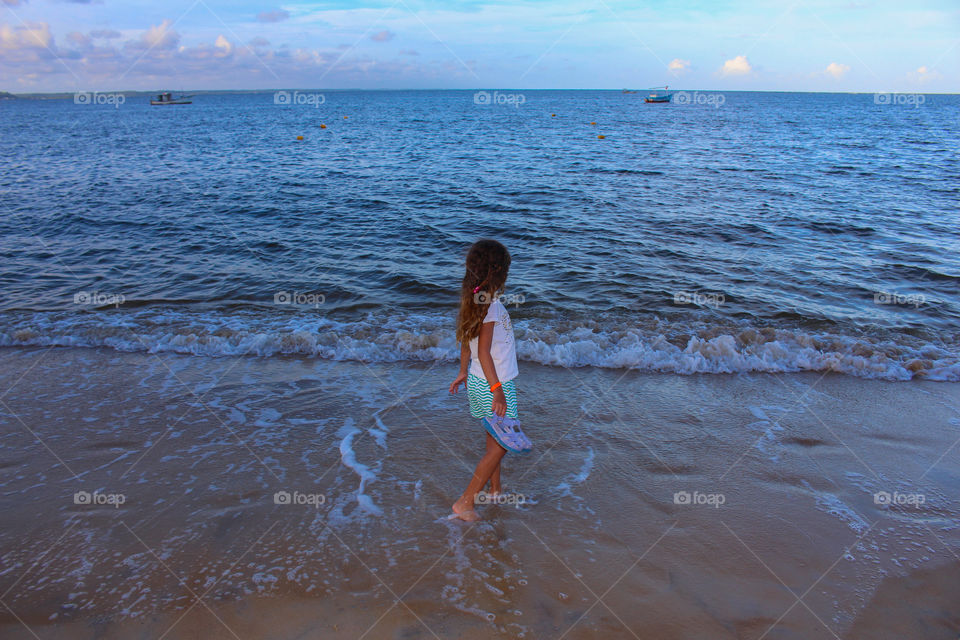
x,y
67,95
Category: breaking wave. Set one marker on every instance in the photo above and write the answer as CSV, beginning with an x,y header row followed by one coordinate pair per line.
x,y
654,345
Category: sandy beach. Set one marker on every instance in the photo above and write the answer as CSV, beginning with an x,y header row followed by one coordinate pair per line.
x,y
704,506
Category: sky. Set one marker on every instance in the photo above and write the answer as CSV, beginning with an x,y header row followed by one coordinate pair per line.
x,y
802,45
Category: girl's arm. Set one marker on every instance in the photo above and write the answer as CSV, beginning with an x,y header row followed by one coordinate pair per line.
x,y
464,367
489,369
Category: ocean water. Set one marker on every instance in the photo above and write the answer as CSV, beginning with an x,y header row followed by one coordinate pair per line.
x,y
776,232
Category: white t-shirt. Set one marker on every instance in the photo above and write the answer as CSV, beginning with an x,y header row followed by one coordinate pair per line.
x,y
503,348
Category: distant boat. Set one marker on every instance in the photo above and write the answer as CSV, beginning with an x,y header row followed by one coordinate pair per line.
x,y
167,98
658,96
629,91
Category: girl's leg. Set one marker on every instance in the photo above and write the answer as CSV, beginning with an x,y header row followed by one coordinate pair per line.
x,y
495,476
485,469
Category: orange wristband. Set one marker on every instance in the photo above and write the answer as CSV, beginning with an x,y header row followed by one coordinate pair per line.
x,y
494,387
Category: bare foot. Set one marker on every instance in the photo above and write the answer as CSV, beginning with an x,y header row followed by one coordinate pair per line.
x,y
464,510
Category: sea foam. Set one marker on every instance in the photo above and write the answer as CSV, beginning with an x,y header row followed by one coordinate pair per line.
x,y
660,346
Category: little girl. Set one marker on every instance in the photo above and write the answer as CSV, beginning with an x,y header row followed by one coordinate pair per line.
x,y
488,366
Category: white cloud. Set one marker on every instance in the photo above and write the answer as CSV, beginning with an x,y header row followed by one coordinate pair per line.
x,y
836,70
738,66
383,36
29,52
924,74
679,66
161,37
30,36
78,39
277,15
224,45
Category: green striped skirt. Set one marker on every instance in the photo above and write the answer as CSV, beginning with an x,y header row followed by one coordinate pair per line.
x,y
481,398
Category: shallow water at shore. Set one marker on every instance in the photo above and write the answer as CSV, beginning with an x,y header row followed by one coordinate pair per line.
x,y
697,506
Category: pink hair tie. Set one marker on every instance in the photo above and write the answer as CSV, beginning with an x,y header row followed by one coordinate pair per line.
x,y
476,288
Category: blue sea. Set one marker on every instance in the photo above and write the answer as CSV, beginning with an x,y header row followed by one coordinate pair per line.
x,y
722,233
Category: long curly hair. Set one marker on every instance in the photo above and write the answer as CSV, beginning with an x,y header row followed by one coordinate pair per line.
x,y
488,263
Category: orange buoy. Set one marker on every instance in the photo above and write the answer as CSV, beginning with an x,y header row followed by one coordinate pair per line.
x,y
601,137
323,126
553,115
593,123
299,137
344,117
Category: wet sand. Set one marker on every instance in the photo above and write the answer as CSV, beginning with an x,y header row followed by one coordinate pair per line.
x,y
708,506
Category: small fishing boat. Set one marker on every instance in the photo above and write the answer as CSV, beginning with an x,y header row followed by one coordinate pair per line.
x,y
658,95
629,91
167,98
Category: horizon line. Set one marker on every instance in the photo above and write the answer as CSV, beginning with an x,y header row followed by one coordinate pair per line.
x,y
274,90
